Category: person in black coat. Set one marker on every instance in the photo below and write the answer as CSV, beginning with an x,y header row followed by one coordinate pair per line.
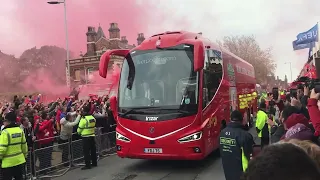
x,y
236,147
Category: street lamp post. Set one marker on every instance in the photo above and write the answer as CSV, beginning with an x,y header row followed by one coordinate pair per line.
x,y
290,69
67,38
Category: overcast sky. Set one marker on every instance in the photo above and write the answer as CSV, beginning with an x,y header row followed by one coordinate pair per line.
x,y
275,23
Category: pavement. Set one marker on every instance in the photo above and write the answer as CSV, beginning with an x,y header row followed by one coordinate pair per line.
x,y
115,168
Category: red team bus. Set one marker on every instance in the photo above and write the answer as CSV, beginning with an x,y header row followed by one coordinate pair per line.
x,y
176,92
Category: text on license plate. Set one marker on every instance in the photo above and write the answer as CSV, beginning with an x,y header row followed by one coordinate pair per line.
x,y
153,150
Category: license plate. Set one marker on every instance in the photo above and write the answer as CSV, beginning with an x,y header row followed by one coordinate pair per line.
x,y
153,150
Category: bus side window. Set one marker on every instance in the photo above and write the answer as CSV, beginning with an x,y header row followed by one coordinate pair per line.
x,y
212,75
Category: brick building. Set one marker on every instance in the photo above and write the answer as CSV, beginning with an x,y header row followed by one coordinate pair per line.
x,y
97,43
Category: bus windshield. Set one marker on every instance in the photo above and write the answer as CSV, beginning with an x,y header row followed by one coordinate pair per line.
x,y
164,79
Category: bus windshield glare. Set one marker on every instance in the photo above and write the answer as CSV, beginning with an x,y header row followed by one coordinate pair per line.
x,y
164,79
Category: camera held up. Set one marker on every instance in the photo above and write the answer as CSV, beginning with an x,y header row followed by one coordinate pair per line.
x,y
310,83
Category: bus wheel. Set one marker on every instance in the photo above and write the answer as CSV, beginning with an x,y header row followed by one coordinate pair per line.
x,y
223,124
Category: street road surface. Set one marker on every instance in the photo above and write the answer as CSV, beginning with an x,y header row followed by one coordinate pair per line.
x,y
115,168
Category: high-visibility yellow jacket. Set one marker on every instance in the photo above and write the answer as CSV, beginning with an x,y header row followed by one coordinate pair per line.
x,y
261,124
87,126
13,147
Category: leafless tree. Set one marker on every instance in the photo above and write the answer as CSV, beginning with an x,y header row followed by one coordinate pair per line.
x,y
247,48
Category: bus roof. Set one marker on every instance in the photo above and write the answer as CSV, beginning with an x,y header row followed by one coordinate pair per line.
x,y
173,38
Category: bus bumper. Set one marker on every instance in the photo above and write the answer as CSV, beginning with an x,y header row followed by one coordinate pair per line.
x,y
185,151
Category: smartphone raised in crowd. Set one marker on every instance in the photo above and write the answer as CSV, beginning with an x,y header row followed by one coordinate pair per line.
x,y
317,88
275,93
293,93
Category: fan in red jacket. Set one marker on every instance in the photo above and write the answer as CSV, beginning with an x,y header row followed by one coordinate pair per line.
x,y
314,111
45,131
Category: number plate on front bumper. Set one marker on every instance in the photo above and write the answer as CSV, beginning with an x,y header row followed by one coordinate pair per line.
x,y
153,150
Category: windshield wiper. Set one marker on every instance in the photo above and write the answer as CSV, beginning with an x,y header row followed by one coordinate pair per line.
x,y
144,110
135,111
130,111
177,110
166,109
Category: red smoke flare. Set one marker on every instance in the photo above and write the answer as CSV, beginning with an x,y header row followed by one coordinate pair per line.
x,y
100,85
43,23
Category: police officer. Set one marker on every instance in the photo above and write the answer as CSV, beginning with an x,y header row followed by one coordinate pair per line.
x,y
13,149
86,129
236,147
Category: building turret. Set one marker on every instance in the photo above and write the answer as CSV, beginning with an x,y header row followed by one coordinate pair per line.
x,y
91,40
124,40
114,31
140,38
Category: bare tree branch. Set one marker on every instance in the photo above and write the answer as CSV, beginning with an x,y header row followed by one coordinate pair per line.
x,y
247,48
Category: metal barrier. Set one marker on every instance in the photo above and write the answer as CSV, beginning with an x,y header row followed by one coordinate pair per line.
x,y
58,158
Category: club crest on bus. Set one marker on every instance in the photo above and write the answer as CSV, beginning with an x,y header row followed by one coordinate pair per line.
x,y
151,130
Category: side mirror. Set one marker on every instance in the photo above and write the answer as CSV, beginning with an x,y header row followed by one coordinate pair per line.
x,y
199,56
113,106
105,59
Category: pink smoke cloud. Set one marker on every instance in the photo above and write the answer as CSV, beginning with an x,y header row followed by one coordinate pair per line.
x,y
38,23
42,82
101,86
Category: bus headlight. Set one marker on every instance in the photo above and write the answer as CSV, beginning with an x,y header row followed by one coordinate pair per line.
x,y
121,137
192,137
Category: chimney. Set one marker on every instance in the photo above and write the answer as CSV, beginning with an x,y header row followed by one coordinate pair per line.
x,y
124,40
114,31
140,38
91,39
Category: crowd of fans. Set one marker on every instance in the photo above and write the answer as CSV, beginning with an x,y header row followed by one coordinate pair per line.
x,y
294,130
55,122
290,135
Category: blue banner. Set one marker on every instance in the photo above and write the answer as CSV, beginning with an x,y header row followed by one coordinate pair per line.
x,y
302,46
307,37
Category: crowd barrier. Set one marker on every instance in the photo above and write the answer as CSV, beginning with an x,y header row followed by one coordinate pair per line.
x,y
57,159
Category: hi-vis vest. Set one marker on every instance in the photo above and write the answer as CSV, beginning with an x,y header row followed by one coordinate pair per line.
x,y
261,121
13,147
87,126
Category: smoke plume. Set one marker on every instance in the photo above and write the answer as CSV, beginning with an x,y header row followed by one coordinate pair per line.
x,y
38,23
274,23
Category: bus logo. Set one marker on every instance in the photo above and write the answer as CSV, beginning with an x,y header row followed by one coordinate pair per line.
x,y
151,130
151,118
